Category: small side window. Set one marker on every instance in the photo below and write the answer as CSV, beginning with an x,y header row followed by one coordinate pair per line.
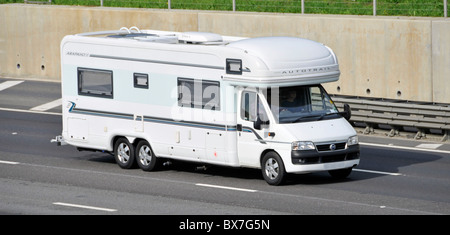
x,y
234,66
140,80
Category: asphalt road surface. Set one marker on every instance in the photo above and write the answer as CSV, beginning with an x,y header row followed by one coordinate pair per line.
x,y
396,176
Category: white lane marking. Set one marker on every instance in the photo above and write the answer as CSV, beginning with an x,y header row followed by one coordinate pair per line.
x,y
428,146
225,187
8,84
47,106
29,111
377,172
405,148
84,207
9,163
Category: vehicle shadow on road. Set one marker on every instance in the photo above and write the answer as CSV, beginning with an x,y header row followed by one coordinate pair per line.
x,y
210,171
372,159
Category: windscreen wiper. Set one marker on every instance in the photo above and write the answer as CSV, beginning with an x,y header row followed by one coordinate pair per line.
x,y
302,117
325,114
320,117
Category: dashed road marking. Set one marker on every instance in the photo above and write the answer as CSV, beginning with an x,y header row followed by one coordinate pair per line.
x,y
47,106
9,163
84,207
377,172
8,84
428,146
226,187
29,111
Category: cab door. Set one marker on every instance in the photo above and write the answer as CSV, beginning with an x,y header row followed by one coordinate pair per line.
x,y
252,124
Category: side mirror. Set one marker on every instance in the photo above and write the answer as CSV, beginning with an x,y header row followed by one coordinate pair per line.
x,y
347,114
258,123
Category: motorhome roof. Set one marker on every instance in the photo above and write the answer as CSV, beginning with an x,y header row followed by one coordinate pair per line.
x,y
286,52
204,38
263,60
288,61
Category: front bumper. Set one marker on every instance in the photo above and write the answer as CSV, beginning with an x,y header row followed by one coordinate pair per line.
x,y
306,157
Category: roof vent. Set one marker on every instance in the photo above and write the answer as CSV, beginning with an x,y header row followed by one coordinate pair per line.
x,y
199,37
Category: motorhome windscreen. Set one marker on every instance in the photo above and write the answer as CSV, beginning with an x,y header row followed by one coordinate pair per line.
x,y
301,104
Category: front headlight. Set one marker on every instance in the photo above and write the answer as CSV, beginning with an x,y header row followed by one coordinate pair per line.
x,y
303,145
352,140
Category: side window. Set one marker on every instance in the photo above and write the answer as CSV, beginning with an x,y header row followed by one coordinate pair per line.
x,y
248,106
140,80
316,99
211,95
185,92
252,107
95,82
202,94
319,100
262,114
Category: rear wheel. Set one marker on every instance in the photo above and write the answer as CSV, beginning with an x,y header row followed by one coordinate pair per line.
x,y
124,153
145,158
273,169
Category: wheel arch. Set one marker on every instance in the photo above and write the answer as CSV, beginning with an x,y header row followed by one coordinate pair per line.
x,y
132,140
265,152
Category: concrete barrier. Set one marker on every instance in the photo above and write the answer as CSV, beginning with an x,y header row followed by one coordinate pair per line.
x,y
388,57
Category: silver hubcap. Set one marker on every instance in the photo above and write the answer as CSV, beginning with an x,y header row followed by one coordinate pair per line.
x,y
145,155
272,168
123,153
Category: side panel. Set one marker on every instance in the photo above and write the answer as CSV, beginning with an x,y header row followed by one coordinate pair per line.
x,y
215,146
78,129
148,111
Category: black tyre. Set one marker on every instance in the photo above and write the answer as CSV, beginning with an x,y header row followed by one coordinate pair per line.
x,y
145,158
272,168
341,173
124,153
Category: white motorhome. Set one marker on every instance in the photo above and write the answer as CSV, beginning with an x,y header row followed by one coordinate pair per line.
x,y
147,95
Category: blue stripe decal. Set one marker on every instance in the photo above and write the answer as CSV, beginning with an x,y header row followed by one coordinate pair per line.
x,y
152,119
73,109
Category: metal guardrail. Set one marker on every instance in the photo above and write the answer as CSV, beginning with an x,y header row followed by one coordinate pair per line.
x,y
398,115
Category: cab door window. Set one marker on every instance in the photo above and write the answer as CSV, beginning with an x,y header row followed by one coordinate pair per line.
x,y
252,107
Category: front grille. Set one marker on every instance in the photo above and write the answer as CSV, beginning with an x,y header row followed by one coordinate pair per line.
x,y
328,147
326,159
334,158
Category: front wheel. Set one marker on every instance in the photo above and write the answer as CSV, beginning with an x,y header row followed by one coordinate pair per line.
x,y
273,169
